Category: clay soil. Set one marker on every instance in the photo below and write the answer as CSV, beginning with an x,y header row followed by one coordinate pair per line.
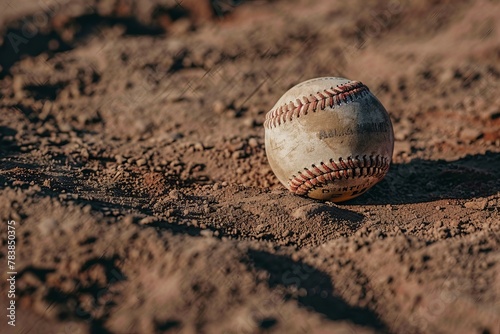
x,y
132,160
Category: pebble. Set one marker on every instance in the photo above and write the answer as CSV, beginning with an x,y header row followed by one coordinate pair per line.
x,y
238,154
128,220
478,205
206,233
198,147
84,153
141,162
470,134
218,107
174,194
249,122
169,213
87,208
65,127
147,220
252,142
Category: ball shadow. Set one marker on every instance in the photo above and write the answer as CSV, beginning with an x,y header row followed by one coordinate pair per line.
x,y
428,180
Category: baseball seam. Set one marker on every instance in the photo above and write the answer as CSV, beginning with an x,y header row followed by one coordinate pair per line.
x,y
316,176
333,96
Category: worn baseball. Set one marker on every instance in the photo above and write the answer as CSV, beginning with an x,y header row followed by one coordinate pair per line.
x,y
329,138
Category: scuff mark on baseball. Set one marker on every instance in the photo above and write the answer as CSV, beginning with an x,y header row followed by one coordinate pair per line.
x,y
329,138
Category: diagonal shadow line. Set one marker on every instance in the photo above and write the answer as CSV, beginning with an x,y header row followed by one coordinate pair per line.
x,y
320,296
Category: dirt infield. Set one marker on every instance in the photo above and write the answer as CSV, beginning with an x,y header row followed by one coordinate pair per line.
x,y
132,161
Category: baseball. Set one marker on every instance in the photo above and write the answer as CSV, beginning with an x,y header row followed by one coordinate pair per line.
x,y
329,139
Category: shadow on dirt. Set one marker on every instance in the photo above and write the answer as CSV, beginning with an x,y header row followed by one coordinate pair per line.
x,y
7,141
425,180
68,305
19,44
317,289
28,37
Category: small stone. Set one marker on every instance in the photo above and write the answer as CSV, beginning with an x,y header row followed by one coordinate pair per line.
x,y
128,220
46,109
218,107
87,208
141,162
230,113
119,159
252,142
198,147
169,213
147,220
216,186
174,194
470,134
249,122
285,234
478,205
84,153
206,233
238,154
64,127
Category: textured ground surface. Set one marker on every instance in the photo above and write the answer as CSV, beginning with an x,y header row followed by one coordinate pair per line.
x,y
132,160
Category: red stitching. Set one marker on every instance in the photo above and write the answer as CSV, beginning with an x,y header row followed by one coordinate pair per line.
x,y
314,177
334,95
